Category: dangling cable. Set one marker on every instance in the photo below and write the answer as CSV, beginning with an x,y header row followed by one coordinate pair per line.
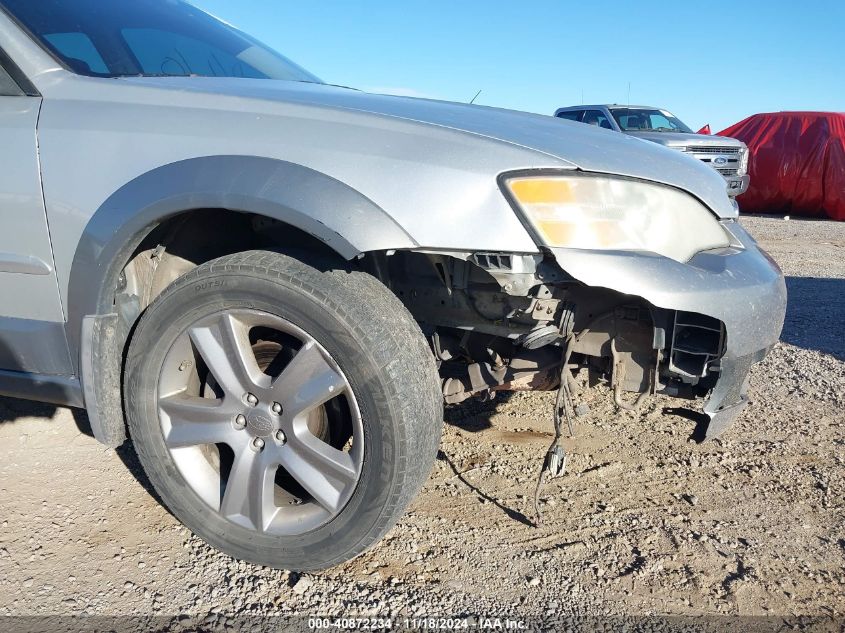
x,y
555,459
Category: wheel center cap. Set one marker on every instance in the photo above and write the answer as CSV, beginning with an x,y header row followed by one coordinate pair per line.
x,y
259,425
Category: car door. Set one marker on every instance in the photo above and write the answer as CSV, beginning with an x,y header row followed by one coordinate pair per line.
x,y
32,335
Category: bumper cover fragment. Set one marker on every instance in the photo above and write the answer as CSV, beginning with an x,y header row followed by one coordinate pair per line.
x,y
740,286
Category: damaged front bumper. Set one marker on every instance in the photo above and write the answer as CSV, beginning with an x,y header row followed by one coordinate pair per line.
x,y
741,286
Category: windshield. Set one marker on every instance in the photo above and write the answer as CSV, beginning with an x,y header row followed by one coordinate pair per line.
x,y
122,38
644,119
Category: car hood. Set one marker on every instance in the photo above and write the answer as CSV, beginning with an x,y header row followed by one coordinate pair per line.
x,y
582,146
678,139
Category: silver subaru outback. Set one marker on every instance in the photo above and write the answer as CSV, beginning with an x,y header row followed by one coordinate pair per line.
x,y
272,285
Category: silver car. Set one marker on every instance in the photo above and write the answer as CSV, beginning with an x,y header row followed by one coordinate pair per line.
x,y
272,285
728,156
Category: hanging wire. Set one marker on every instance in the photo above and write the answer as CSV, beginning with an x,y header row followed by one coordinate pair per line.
x,y
555,459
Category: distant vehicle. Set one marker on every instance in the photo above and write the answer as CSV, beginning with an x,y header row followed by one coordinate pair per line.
x,y
728,156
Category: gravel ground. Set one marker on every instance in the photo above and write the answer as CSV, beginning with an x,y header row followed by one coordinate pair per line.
x,y
646,520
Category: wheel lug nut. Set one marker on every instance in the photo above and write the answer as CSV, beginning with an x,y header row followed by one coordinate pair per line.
x,y
258,443
280,437
251,399
277,408
240,421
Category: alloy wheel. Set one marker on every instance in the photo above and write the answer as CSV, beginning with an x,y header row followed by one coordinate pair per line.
x,y
261,422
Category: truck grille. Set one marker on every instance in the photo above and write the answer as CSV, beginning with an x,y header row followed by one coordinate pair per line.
x,y
725,159
712,150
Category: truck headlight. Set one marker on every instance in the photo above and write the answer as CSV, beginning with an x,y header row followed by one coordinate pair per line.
x,y
743,161
614,214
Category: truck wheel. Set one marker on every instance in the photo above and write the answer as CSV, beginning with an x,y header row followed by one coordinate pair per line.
x,y
287,415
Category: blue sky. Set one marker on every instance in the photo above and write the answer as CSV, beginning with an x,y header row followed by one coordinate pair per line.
x,y
711,63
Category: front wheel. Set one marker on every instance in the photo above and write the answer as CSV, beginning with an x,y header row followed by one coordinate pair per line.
x,y
286,415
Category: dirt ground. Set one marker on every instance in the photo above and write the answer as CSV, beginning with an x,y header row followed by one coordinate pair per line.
x,y
646,520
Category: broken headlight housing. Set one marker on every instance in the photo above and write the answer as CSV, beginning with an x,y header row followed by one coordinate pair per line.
x,y
616,214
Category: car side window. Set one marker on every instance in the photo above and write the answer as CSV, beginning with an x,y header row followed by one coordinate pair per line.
x,y
597,118
79,51
165,53
570,115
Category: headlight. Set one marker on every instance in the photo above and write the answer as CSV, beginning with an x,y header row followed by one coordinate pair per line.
x,y
605,213
743,161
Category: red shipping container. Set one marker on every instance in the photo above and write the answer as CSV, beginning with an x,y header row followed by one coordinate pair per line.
x,y
796,163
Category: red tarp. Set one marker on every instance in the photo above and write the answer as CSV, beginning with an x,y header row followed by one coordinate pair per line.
x,y
796,163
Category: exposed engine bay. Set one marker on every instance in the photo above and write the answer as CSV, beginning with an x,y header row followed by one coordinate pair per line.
x,y
504,322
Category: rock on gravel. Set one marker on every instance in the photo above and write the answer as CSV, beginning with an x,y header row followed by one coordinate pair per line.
x,y
302,585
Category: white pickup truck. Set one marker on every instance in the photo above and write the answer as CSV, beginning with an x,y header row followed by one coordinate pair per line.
x,y
728,156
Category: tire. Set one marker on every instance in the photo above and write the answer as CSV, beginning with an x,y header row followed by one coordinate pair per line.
x,y
348,326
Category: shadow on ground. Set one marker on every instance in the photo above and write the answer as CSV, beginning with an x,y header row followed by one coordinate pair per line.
x,y
12,409
126,453
516,515
474,414
815,315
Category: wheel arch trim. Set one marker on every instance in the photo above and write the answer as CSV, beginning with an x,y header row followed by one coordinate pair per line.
x,y
345,220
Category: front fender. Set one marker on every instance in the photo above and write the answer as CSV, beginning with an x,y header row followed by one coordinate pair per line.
x,y
320,205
